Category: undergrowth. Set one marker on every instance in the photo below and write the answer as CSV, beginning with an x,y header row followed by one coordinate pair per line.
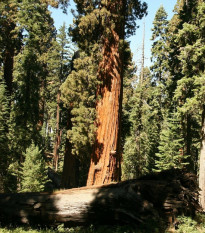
x,y
183,225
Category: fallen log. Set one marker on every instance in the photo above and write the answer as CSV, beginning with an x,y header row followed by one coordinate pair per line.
x,y
161,195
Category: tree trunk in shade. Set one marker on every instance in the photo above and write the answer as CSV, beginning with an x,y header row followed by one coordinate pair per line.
x,y
58,135
41,101
106,156
202,163
70,165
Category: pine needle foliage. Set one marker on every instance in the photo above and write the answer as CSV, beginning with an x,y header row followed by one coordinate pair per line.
x,y
4,142
159,46
79,94
34,175
142,140
171,146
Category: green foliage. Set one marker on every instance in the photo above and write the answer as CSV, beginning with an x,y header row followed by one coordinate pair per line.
x,y
142,140
148,106
184,225
79,94
59,66
148,228
4,143
34,175
191,56
26,229
187,69
160,48
96,19
171,146
33,64
160,51
189,225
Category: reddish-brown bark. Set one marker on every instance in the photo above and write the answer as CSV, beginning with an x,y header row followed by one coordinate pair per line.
x,y
105,159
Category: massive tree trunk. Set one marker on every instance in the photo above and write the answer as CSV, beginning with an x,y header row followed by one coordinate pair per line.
x,y
202,163
163,195
106,156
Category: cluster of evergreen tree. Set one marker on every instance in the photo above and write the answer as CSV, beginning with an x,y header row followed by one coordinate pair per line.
x,y
166,107
35,60
62,107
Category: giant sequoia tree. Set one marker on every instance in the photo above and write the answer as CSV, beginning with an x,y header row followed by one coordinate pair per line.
x,y
108,23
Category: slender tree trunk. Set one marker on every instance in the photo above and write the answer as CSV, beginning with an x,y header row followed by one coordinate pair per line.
x,y
41,104
41,114
58,135
106,157
202,163
8,67
142,61
70,165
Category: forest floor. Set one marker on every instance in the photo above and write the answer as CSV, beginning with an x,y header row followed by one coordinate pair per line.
x,y
184,225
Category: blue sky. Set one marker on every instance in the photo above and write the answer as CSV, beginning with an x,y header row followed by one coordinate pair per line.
x,y
136,40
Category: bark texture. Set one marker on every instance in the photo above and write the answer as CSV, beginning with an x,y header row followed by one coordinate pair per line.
x,y
163,195
202,164
105,159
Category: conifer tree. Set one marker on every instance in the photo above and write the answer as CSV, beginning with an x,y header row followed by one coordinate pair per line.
x,y
160,56
170,153
10,40
4,143
59,66
34,28
128,91
190,88
79,96
29,77
142,141
160,28
27,33
187,69
34,175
